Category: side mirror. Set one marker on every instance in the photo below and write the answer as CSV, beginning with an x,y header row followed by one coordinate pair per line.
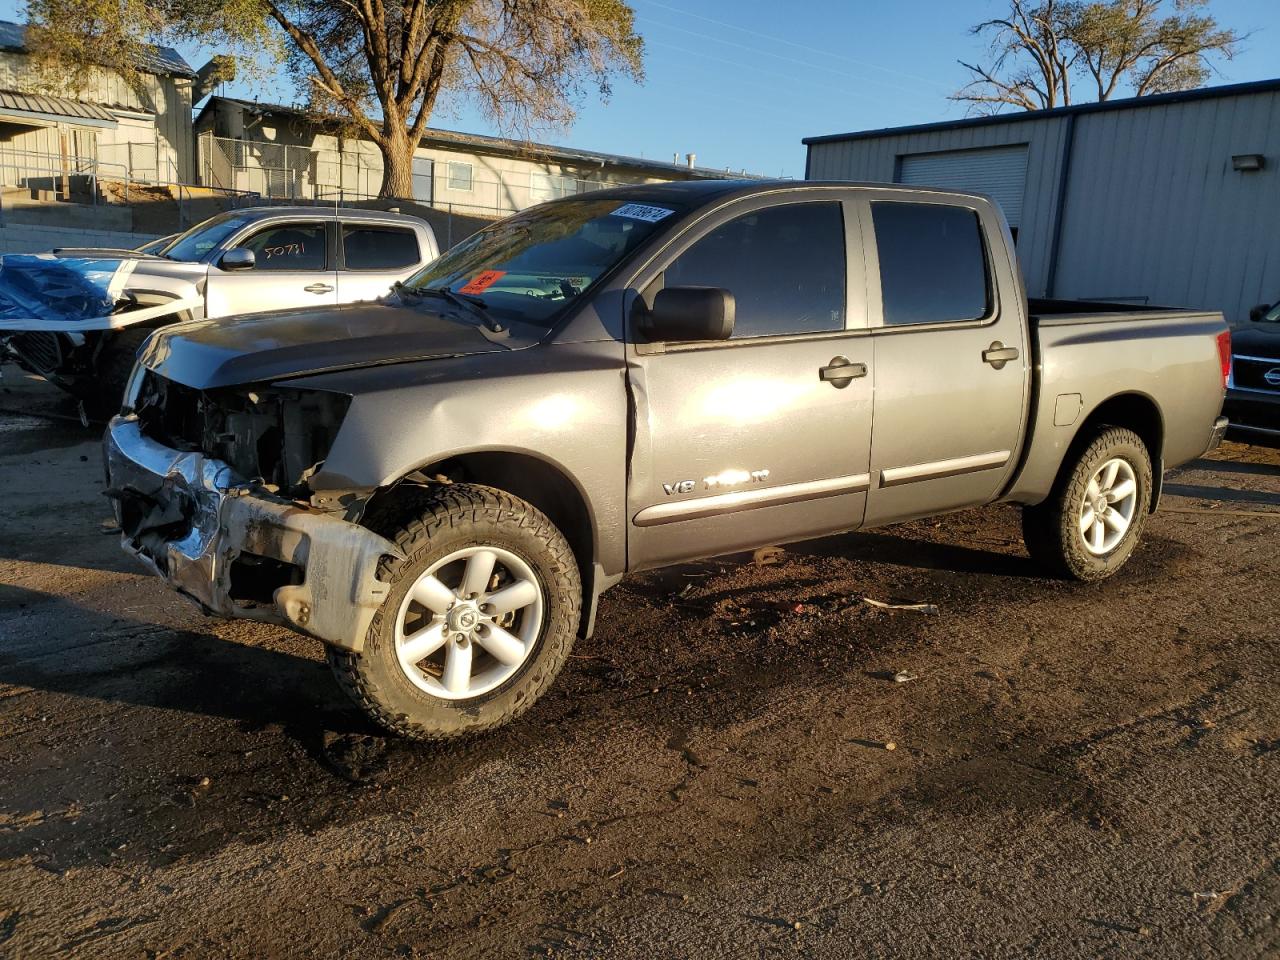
x,y
690,313
237,259
1260,311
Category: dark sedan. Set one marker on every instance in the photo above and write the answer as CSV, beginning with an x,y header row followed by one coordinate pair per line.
x,y
1253,392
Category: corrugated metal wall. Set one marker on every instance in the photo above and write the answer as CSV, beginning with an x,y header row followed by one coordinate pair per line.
x,y
1153,209
998,172
876,159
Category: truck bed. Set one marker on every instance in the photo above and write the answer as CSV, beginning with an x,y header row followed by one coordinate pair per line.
x,y
1167,360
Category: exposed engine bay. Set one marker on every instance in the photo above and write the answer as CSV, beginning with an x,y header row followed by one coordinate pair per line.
x,y
275,436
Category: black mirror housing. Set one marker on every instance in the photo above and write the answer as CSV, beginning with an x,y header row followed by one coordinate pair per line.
x,y
1258,312
238,259
690,314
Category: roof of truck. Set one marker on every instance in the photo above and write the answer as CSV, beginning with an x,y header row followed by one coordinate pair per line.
x,y
701,191
324,213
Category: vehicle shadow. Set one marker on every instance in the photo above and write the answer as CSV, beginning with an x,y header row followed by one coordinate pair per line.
x,y
1232,466
53,644
1221,494
902,550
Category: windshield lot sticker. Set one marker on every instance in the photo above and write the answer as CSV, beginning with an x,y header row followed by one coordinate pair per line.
x,y
639,211
483,281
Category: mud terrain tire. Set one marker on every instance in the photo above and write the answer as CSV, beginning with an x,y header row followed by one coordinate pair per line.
x,y
463,517
1052,530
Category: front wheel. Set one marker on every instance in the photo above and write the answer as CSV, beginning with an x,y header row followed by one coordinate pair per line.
x,y
1091,522
480,618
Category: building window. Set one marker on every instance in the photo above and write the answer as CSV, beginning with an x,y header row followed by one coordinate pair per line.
x,y
546,186
459,176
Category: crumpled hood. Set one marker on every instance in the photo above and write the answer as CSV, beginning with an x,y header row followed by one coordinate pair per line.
x,y
261,347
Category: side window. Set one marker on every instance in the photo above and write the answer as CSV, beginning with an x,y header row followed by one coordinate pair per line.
x,y
785,267
290,246
933,267
378,248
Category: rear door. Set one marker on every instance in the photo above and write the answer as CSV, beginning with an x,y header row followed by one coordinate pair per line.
x,y
373,256
742,442
293,267
951,354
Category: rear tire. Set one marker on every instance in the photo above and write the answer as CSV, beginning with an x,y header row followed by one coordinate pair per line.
x,y
479,621
1091,522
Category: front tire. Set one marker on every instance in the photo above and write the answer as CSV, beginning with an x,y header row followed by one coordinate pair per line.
x,y
1091,522
479,621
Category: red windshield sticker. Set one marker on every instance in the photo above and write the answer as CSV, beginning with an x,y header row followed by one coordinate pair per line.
x,y
483,281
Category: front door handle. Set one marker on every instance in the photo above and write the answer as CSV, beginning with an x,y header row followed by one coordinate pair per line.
x,y
319,288
841,371
998,354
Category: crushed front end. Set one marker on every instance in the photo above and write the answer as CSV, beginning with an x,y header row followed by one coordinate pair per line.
x,y
210,491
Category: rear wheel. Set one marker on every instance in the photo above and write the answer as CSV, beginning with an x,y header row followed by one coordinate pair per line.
x,y
1090,524
479,620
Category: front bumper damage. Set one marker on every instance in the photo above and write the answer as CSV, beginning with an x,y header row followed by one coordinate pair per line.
x,y
210,534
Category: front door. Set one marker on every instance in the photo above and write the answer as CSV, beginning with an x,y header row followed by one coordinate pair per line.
x,y
951,357
292,268
765,436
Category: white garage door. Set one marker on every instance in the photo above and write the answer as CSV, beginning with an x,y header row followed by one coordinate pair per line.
x,y
999,172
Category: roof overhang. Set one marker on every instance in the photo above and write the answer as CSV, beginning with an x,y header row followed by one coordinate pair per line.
x,y
41,111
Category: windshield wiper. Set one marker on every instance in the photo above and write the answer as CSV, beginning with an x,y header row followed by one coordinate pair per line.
x,y
474,304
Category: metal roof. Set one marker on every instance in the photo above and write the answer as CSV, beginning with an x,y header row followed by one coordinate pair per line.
x,y
1128,103
52,109
164,61
498,145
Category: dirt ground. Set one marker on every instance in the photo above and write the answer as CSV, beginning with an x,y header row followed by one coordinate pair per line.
x,y
1079,771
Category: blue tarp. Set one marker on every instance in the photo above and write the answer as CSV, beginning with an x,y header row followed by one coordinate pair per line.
x,y
55,288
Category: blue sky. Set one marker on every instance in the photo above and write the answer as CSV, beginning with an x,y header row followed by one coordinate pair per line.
x,y
740,82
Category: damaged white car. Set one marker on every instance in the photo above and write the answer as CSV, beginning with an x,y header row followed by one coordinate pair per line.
x,y
78,316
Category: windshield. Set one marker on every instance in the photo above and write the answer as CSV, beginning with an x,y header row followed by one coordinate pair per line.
x,y
203,237
529,267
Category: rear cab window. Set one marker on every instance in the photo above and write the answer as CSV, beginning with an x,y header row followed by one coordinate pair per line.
x,y
379,247
933,263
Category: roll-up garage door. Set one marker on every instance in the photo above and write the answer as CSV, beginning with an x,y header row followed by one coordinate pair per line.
x,y
999,172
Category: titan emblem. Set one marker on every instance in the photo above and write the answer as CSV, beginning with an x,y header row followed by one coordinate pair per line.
x,y
727,478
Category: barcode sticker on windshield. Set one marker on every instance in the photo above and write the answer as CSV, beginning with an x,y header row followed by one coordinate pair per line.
x,y
638,211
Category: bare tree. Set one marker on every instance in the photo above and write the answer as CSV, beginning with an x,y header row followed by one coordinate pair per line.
x,y
1041,51
380,66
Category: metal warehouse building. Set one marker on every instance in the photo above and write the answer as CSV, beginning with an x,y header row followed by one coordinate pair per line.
x,y
1171,199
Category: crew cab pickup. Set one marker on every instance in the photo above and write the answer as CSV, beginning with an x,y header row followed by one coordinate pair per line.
x,y
441,485
78,315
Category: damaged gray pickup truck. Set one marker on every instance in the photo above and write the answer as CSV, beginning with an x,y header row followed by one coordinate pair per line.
x,y
441,485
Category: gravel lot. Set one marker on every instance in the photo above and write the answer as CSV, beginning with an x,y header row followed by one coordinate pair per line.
x,y
1080,771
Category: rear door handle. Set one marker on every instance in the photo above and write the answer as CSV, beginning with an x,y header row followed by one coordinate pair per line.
x,y
841,371
319,288
998,354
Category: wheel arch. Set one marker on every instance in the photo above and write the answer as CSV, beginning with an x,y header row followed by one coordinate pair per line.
x,y
534,479
1131,410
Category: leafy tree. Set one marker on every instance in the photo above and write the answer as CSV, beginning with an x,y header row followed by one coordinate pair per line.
x,y
1042,52
380,66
